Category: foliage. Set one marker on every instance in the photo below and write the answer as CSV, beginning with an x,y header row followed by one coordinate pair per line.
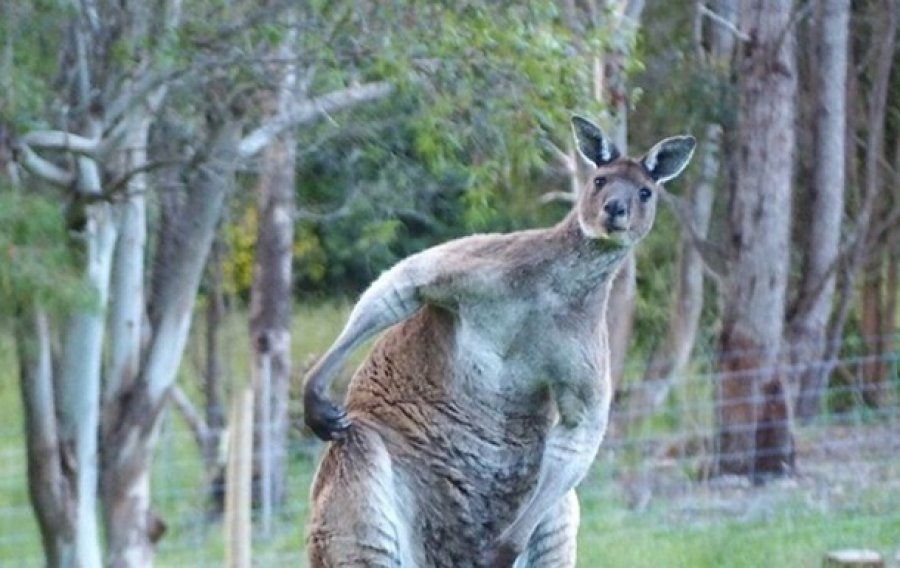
x,y
30,32
36,263
237,268
461,148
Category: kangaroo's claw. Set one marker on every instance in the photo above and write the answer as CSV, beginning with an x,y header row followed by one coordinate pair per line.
x,y
327,420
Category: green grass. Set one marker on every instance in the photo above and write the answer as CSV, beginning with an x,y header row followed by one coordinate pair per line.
x,y
19,534
783,541
793,533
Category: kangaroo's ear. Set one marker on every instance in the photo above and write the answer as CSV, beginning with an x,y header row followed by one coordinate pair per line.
x,y
669,157
592,143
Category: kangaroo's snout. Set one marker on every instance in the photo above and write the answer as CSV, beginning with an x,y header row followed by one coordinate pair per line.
x,y
616,208
616,215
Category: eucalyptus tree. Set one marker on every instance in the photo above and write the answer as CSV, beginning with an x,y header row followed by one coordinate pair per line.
x,y
714,38
753,426
807,325
870,251
95,405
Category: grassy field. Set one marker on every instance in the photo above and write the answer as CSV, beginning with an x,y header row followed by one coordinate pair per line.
x,y
634,514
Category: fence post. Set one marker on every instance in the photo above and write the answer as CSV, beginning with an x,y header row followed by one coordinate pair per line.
x,y
265,441
238,526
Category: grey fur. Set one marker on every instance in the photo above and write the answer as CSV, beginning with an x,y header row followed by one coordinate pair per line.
x,y
483,405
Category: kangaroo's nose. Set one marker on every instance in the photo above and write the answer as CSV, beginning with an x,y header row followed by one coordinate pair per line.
x,y
615,208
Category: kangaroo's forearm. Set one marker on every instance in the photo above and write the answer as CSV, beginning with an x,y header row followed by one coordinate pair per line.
x,y
390,300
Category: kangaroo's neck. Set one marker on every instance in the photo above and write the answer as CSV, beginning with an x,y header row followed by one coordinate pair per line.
x,y
587,265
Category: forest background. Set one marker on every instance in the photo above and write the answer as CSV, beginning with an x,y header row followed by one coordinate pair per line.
x,y
193,190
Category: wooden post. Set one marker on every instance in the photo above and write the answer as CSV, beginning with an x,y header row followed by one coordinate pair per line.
x,y
853,557
238,526
265,441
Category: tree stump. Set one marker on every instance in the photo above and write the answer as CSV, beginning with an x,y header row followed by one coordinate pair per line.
x,y
858,558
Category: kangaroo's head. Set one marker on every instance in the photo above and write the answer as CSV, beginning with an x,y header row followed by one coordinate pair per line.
x,y
618,201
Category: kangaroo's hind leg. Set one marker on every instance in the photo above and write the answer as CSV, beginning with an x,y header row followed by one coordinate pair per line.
x,y
356,520
554,543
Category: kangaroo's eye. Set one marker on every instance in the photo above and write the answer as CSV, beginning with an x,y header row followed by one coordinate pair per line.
x,y
599,182
645,194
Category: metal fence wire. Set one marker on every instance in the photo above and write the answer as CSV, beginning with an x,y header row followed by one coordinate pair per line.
x,y
652,480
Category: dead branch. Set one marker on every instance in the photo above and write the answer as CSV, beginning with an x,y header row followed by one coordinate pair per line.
x,y
199,427
308,110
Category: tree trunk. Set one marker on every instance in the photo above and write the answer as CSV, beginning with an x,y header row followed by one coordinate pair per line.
x,y
753,422
126,338
51,479
876,119
212,385
271,300
806,330
620,318
78,385
671,359
611,88
872,385
74,383
132,421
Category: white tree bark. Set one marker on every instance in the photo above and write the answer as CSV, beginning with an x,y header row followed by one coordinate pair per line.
x,y
807,328
133,420
876,107
306,111
126,323
79,384
112,108
49,483
127,301
74,540
79,375
271,300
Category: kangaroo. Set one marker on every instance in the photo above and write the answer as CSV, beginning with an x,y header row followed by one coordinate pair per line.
x,y
467,428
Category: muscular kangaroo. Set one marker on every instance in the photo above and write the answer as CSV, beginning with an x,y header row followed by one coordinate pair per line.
x,y
476,414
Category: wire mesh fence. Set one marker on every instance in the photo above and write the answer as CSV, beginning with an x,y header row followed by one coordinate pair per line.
x,y
652,491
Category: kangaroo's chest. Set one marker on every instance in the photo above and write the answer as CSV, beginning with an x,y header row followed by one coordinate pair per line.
x,y
525,342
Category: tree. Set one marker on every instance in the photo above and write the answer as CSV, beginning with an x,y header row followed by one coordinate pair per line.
x,y
117,74
870,259
612,89
752,418
271,297
670,360
807,325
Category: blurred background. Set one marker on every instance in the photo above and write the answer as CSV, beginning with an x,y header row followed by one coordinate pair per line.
x,y
193,193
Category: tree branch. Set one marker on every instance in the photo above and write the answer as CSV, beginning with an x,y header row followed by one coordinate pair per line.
x,y
46,457
713,256
190,414
44,169
305,215
724,22
567,162
554,196
139,91
309,110
61,140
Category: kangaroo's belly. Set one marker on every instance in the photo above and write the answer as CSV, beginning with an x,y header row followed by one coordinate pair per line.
x,y
467,451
